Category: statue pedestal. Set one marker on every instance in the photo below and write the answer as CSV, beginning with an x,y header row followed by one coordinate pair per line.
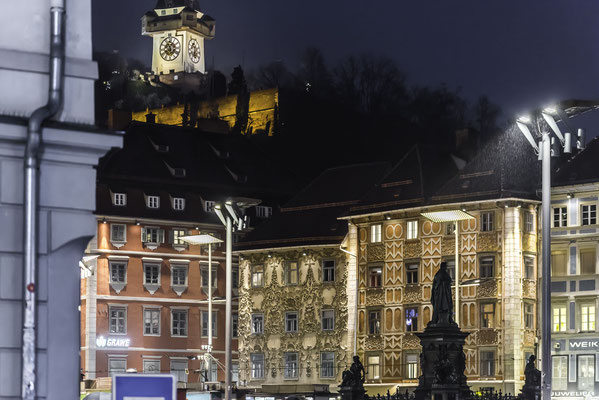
x,y
443,363
531,392
352,393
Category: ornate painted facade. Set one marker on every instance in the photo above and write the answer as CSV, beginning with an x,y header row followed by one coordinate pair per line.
x,y
299,283
497,250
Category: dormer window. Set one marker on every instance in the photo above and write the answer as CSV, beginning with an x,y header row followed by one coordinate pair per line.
x,y
119,199
153,201
163,12
209,205
178,203
263,211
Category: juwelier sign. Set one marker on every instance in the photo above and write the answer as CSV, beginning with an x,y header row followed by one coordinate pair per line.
x,y
582,394
113,342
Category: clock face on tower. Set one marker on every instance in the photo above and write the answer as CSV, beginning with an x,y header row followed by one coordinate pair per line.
x,y
170,48
194,51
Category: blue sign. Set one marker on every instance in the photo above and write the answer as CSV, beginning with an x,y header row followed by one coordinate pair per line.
x,y
144,387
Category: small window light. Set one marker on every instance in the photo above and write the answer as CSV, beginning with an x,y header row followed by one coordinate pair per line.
x,y
103,220
570,195
137,223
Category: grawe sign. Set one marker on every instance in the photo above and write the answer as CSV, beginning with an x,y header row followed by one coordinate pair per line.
x,y
102,342
584,344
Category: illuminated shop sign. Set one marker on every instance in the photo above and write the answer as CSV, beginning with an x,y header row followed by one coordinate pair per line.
x,y
583,344
559,393
113,342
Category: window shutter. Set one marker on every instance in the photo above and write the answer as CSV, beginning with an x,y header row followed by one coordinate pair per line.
x,y
171,236
160,235
144,236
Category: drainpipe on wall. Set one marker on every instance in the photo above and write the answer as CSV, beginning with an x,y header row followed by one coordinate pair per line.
x,y
31,195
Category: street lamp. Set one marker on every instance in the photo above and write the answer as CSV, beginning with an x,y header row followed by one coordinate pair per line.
x,y
230,213
209,240
452,216
542,125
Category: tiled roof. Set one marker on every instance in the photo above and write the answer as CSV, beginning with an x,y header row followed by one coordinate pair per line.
x,y
199,165
311,217
176,3
581,168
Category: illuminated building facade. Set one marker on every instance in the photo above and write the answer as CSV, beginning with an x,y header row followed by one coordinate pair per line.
x,y
297,289
144,291
399,252
575,277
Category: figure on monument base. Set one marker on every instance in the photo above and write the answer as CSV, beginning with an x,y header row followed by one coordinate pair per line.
x,y
352,384
532,381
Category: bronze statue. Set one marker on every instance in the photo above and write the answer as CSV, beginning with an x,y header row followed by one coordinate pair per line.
x,y
356,375
531,373
441,298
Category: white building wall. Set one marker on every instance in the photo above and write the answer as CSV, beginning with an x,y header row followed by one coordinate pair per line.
x,y
67,192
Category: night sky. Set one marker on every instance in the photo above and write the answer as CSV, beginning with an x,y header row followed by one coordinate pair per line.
x,y
522,54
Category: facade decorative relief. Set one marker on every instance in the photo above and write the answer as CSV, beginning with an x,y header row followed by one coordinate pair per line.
x,y
529,337
375,297
488,337
529,288
413,294
487,241
373,343
376,252
308,298
488,289
393,232
410,341
448,246
413,249
394,250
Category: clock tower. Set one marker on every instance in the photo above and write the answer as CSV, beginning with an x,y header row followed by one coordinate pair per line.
x,y
179,30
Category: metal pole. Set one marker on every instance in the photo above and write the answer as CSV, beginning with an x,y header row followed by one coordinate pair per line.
x,y
228,333
457,275
209,359
546,268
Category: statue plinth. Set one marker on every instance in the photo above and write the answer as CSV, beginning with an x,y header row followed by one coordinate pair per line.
x,y
352,386
352,393
443,363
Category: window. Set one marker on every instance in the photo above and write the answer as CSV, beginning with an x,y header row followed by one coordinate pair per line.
x,y
411,319
176,235
209,206
119,199
151,366
235,372
117,365
529,316
118,272
178,203
291,321
586,372
375,233
235,325
487,267
152,235
328,320
263,211
412,230
327,364
118,319
451,269
589,214
257,275
587,261
487,363
558,264
560,217
118,232
291,273
179,322
374,367
151,274
179,275
152,321
412,273
529,267
178,368
450,228
486,221
205,323
257,324
290,360
205,280
529,222
212,375
559,318
560,373
412,366
153,202
257,365
587,317
487,315
375,276
374,322
328,270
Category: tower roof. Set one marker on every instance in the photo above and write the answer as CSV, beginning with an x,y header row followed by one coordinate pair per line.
x,y
177,3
